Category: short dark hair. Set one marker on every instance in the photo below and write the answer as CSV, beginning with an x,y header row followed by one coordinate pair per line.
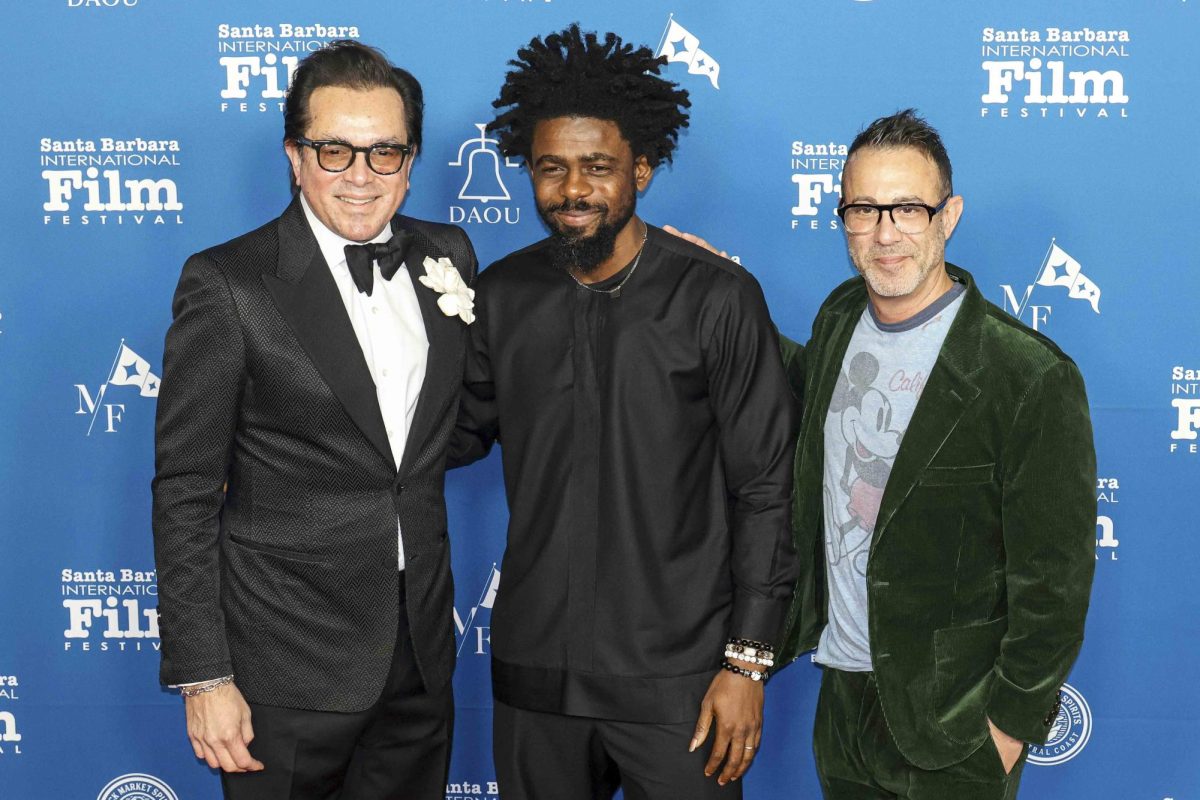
x,y
352,65
907,129
573,74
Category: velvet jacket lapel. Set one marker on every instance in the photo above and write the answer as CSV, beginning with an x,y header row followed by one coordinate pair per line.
x,y
305,293
949,391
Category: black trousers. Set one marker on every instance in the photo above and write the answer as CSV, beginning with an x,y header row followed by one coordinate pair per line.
x,y
556,757
857,759
399,749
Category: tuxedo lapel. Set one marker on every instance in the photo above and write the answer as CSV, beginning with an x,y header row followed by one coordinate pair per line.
x,y
305,293
443,370
949,392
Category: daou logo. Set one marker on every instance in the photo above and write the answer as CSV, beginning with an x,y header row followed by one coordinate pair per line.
x,y
484,182
101,3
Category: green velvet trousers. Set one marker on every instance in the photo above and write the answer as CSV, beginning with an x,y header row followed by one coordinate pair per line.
x,y
857,758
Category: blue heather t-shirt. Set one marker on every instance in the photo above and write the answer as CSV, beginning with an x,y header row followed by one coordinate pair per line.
x,y
884,371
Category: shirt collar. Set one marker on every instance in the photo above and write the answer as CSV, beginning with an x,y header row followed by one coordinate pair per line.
x,y
333,246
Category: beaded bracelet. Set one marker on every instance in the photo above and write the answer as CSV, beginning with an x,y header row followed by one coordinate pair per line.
x,y
203,688
753,675
751,643
764,660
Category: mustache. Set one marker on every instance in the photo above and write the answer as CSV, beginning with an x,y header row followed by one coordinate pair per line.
x,y
575,205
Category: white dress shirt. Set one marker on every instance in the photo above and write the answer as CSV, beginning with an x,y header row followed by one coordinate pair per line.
x,y
391,332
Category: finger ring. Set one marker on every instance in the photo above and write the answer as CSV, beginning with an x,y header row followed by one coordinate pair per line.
x,y
749,747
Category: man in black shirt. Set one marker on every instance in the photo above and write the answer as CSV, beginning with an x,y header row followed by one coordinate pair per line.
x,y
635,383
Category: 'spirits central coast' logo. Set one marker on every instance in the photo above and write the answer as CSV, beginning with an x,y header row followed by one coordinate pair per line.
x,y
1107,490
10,736
1057,269
817,176
257,61
1070,732
110,181
1054,73
119,606
483,184
137,786
1185,399
128,369
471,629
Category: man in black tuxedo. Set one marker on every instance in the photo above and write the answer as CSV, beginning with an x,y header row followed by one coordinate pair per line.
x,y
310,384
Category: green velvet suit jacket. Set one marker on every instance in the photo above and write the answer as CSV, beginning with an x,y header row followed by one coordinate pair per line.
x,y
982,556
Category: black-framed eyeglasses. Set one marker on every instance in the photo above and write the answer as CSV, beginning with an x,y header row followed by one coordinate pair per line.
x,y
384,158
910,218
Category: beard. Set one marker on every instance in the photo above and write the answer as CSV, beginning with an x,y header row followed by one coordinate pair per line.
x,y
583,253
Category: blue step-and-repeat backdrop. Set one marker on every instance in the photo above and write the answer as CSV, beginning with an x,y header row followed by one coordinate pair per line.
x,y
140,131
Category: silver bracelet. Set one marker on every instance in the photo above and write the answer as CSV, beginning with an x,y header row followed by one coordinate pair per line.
x,y
202,688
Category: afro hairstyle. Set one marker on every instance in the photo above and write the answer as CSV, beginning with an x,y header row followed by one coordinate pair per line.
x,y
574,74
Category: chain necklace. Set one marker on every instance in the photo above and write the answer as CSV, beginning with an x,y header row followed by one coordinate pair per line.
x,y
615,291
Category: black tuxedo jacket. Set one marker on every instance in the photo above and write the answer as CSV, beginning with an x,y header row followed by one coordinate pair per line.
x,y
275,493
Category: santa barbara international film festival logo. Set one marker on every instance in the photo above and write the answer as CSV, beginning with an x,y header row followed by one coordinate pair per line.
x,y
1070,732
110,181
10,736
483,186
471,629
137,786
1054,73
128,369
1057,271
817,176
1107,497
257,61
1185,391
119,606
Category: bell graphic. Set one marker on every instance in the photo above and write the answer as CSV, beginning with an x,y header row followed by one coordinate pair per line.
x,y
483,181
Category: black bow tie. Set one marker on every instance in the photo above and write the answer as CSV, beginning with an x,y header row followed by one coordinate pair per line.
x,y
390,254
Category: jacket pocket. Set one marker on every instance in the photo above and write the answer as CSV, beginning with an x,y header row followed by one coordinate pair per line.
x,y
292,555
962,676
958,476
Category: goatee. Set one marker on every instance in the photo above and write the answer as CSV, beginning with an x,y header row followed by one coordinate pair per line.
x,y
580,253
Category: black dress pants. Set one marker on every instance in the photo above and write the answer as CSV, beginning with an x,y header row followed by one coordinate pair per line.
x,y
399,749
543,756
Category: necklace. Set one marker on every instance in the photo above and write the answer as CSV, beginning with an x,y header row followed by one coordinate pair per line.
x,y
615,291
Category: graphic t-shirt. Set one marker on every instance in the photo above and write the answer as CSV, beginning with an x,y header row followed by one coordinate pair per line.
x,y
882,376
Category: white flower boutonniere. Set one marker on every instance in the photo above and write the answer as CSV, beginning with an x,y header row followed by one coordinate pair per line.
x,y
457,299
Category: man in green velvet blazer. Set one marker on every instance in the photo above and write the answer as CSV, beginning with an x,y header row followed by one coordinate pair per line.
x,y
944,501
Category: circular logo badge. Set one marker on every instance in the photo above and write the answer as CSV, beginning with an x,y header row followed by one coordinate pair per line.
x,y
136,786
1070,732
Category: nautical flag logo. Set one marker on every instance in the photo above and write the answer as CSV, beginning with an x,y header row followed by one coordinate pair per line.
x,y
128,369
1059,269
680,44
487,599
